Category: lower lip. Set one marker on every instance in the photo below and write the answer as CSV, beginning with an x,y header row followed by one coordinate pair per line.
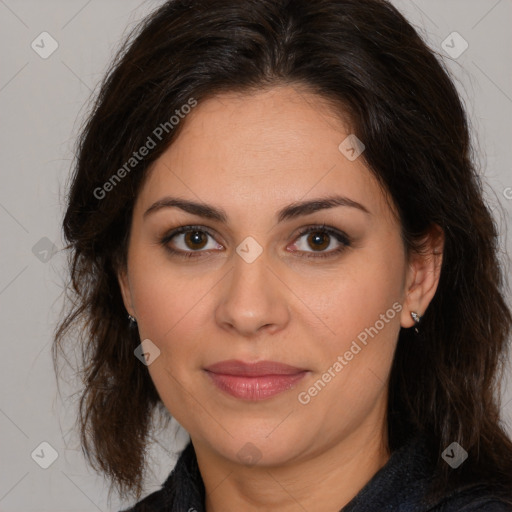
x,y
255,388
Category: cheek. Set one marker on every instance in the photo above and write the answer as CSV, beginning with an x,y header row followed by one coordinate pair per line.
x,y
164,297
367,287
354,360
362,310
172,312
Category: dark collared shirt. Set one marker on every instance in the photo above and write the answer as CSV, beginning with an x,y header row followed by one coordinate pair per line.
x,y
399,486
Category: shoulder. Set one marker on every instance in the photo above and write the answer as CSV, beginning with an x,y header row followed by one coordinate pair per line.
x,y
477,499
476,506
406,484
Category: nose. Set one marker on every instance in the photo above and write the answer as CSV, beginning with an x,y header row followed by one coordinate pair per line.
x,y
253,300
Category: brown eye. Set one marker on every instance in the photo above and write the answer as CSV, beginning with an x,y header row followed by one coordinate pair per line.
x,y
318,240
190,241
195,239
321,242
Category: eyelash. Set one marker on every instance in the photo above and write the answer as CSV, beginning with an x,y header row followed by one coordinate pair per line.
x,y
321,228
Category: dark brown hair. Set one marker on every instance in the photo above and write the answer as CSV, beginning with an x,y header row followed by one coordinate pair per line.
x,y
364,56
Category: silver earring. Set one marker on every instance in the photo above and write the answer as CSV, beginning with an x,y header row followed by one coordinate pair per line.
x,y
132,319
417,320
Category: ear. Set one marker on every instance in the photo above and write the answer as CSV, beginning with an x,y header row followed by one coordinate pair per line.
x,y
423,275
124,285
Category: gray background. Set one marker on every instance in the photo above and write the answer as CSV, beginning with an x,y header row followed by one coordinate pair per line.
x,y
42,104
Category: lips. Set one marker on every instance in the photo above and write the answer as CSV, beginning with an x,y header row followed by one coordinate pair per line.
x,y
254,381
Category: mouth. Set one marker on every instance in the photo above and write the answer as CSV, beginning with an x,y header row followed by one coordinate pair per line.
x,y
254,381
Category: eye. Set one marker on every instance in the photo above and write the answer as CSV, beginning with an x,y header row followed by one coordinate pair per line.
x,y
187,240
320,238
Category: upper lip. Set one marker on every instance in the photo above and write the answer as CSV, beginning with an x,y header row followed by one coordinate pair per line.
x,y
259,369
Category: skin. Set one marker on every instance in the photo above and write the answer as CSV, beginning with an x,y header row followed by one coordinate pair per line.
x,y
252,155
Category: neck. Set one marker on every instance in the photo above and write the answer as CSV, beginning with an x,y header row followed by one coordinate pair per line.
x,y
323,481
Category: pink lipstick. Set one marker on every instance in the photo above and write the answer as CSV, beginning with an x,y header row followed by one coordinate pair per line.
x,y
254,381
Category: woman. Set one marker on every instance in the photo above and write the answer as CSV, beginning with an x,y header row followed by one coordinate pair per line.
x,y
278,237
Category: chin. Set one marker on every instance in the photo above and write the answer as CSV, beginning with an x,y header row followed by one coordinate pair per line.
x,y
252,446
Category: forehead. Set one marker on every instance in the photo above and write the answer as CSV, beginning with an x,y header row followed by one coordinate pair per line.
x,y
261,150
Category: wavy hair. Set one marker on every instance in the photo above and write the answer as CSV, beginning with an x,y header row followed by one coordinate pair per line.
x,y
365,57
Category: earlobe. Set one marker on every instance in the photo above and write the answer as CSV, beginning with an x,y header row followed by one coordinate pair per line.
x,y
424,272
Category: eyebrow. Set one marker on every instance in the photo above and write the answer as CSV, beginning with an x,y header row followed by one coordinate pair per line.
x,y
289,212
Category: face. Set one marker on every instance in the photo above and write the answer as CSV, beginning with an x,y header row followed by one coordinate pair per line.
x,y
267,272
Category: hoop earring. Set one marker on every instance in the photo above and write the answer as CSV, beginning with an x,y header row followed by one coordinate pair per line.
x,y
417,320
